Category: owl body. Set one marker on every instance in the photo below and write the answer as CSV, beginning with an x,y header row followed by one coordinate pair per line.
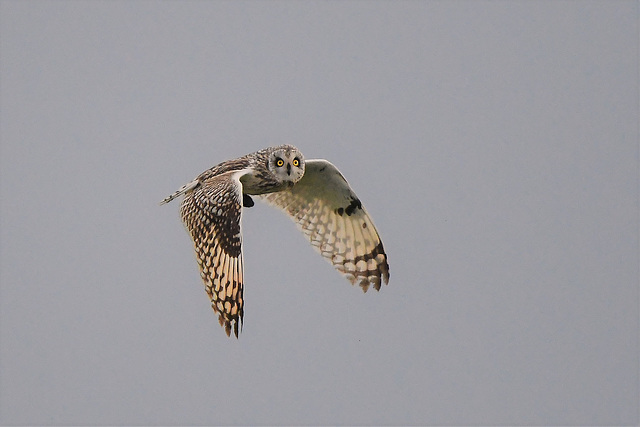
x,y
314,194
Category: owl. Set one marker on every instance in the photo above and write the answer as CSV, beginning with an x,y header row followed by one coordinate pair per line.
x,y
313,193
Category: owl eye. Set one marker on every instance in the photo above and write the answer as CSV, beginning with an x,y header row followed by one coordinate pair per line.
x,y
296,162
279,163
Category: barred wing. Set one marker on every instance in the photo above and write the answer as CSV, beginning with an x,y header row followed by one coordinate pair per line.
x,y
212,213
329,213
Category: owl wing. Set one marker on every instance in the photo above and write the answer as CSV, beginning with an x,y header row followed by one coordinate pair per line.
x,y
328,212
212,213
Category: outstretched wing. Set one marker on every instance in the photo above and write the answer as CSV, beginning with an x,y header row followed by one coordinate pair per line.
x,y
212,213
329,213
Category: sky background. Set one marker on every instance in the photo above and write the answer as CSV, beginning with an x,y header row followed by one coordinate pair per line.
x,y
494,143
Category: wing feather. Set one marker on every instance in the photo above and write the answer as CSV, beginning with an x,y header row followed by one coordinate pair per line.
x,y
328,212
212,213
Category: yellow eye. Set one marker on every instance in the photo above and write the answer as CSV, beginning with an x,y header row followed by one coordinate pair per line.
x,y
296,162
279,163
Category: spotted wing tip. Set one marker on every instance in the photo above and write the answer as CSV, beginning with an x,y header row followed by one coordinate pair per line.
x,y
375,279
227,325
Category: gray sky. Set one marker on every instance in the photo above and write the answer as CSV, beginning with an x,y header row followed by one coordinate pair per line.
x,y
494,143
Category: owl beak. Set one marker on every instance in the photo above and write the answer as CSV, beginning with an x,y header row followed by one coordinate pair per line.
x,y
288,168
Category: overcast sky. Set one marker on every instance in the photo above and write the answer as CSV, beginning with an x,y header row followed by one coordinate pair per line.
x,y
494,143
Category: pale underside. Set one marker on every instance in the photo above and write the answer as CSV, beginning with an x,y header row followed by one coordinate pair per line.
x,y
328,212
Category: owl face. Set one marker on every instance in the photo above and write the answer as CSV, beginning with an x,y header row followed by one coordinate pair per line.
x,y
287,164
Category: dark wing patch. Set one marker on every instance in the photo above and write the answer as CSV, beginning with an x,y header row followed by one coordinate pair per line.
x,y
247,201
351,208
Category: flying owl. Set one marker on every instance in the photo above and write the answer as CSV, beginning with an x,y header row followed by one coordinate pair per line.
x,y
313,193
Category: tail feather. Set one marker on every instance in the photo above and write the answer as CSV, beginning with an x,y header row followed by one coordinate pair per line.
x,y
180,192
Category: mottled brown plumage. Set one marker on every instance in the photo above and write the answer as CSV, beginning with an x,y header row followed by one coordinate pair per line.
x,y
211,214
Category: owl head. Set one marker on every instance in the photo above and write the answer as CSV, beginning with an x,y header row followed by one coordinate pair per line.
x,y
286,163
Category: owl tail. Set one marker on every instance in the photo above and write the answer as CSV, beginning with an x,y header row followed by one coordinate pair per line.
x,y
181,191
